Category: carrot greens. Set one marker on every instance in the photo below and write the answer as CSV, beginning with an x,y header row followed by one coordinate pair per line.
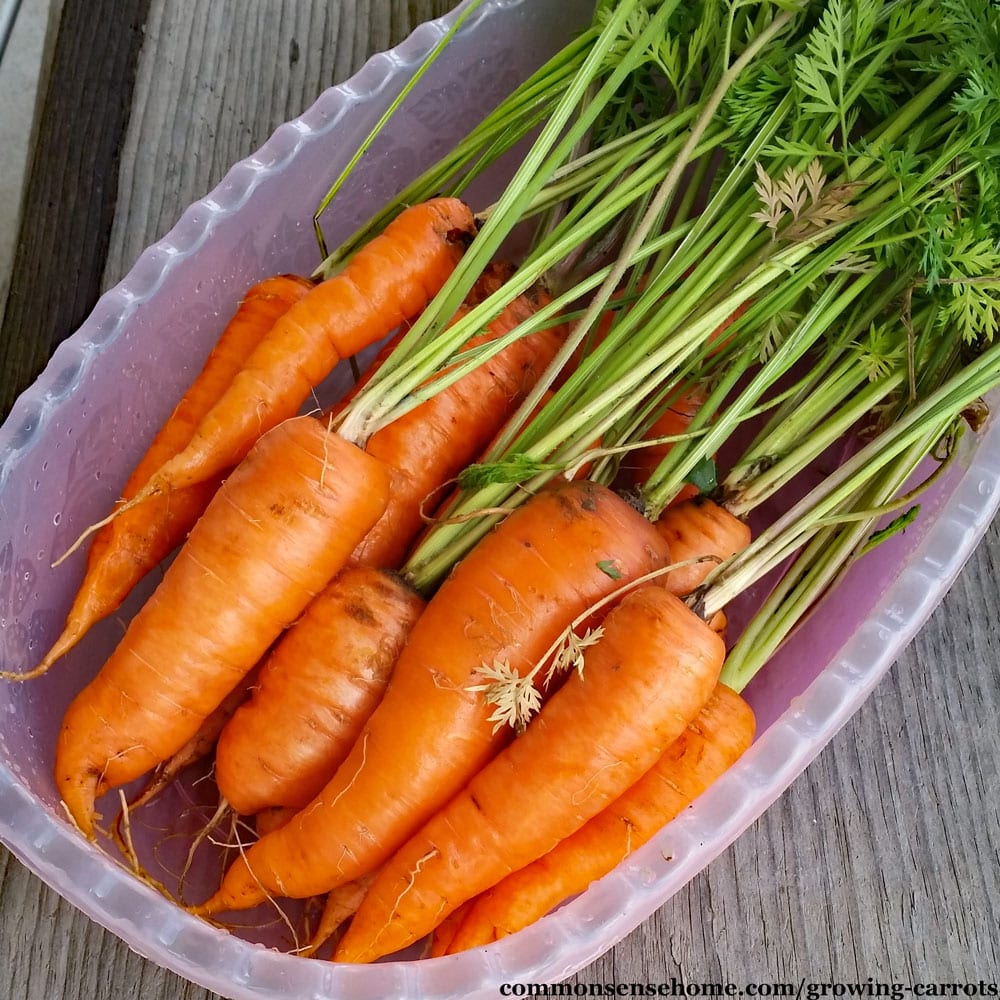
x,y
842,179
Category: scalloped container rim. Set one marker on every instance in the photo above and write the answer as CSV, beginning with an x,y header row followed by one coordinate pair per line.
x,y
72,438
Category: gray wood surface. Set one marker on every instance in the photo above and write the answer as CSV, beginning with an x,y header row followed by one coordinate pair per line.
x,y
882,860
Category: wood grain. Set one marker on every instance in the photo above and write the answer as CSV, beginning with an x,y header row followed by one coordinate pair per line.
x,y
71,191
883,858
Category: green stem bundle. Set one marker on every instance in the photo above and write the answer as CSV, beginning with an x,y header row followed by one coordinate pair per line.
x,y
802,197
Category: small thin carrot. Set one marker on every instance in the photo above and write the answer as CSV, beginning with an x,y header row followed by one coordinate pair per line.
x,y
652,671
277,531
127,548
316,690
501,608
710,745
341,904
200,746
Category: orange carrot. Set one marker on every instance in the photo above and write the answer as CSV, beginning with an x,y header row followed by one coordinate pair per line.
x,y
652,671
126,549
276,532
341,904
639,464
503,606
316,690
444,933
386,283
198,747
433,442
714,741
696,529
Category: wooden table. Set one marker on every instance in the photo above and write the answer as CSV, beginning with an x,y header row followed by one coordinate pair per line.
x,y
880,861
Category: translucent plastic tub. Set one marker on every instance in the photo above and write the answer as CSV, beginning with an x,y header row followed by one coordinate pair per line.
x,y
71,439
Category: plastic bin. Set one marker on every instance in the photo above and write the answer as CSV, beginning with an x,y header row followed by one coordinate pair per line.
x,y
72,438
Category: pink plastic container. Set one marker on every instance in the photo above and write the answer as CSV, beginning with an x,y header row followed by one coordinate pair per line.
x,y
71,439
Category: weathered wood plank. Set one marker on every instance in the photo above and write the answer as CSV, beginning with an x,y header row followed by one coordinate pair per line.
x,y
71,191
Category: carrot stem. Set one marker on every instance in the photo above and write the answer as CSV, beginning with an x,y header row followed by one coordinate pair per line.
x,y
416,77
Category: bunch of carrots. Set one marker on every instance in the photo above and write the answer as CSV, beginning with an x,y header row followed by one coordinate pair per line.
x,y
487,590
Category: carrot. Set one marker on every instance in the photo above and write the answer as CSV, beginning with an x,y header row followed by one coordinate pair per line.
x,y
198,747
386,283
272,819
444,933
503,606
126,549
433,442
654,668
276,532
341,904
716,738
316,690
695,529
638,465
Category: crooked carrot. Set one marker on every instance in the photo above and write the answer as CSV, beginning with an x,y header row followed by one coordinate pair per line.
x,y
276,532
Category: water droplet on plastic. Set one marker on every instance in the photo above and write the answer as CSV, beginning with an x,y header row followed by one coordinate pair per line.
x,y
57,519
